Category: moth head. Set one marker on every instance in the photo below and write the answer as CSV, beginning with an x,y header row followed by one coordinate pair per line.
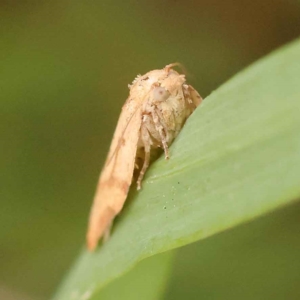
x,y
160,94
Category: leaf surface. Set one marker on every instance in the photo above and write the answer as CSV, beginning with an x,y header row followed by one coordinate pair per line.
x,y
237,158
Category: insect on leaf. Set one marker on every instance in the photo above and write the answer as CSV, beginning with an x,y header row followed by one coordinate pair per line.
x,y
159,103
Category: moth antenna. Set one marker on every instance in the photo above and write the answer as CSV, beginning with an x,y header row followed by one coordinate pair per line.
x,y
176,64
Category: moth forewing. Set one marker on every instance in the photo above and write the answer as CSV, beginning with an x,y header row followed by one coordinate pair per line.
x,y
117,173
158,105
194,96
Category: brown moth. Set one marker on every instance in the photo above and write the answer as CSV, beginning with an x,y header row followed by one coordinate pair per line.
x,y
159,103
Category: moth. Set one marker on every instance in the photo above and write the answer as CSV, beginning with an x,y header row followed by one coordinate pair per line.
x,y
159,103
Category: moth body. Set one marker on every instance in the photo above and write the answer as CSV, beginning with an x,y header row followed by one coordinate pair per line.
x,y
158,105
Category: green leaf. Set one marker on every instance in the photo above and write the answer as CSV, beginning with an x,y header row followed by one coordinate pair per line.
x,y
236,159
256,260
146,281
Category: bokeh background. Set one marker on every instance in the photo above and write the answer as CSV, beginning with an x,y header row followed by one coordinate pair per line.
x,y
64,70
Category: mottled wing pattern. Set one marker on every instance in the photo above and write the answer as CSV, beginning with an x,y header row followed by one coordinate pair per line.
x,y
195,97
116,177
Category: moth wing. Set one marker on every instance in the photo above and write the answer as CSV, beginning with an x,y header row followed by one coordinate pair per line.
x,y
116,177
195,97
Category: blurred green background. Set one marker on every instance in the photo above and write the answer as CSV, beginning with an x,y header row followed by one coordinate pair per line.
x,y
64,70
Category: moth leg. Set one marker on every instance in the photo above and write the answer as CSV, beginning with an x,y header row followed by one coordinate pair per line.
x,y
147,146
161,130
160,117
